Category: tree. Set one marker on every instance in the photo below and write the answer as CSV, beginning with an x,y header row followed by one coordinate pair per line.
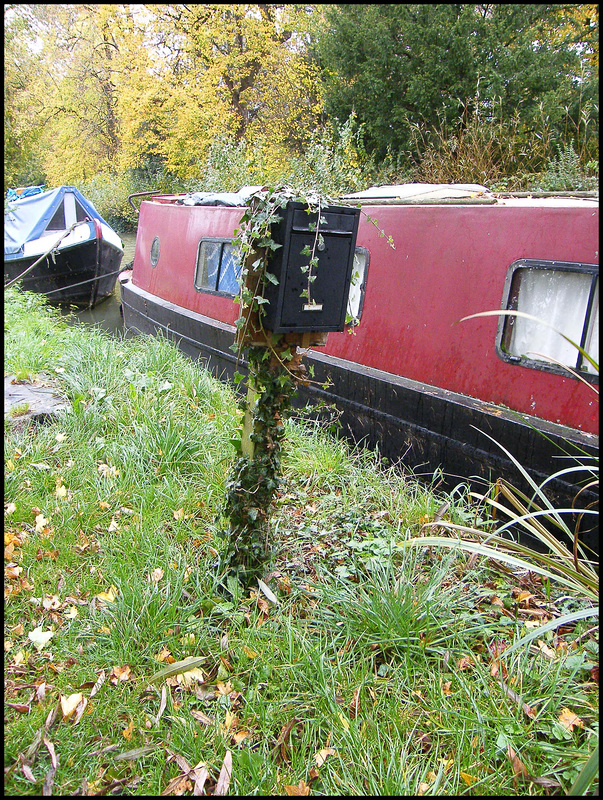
x,y
395,65
21,125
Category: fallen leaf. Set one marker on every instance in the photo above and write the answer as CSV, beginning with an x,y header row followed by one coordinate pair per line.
x,y
41,523
465,662
177,786
446,688
224,777
468,779
201,774
156,575
20,707
201,717
162,704
268,592
301,790
40,638
10,508
120,674
108,596
51,603
249,652
113,526
344,722
98,684
69,704
177,668
164,655
179,514
127,732
519,769
569,720
323,754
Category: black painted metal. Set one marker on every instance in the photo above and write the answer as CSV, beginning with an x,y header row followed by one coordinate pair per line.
x,y
288,309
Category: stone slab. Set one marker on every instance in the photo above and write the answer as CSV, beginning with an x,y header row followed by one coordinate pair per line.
x,y
42,397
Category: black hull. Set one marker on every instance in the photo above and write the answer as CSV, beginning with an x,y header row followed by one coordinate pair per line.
x,y
427,429
82,275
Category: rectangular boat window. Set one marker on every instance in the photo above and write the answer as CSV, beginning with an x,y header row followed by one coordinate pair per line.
x,y
217,267
356,296
565,296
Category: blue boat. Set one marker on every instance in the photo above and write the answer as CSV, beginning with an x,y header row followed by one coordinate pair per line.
x,y
57,244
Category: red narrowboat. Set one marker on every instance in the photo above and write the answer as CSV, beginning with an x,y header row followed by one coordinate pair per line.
x,y
428,389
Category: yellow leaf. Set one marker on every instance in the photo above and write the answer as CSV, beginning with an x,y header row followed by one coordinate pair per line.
x,y
60,491
323,754
104,505
72,612
113,526
127,733
164,655
568,719
446,688
240,735
224,688
344,721
469,779
229,720
69,704
156,575
108,596
178,514
41,523
249,652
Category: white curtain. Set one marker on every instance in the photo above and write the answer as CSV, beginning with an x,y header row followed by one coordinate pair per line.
x,y
560,299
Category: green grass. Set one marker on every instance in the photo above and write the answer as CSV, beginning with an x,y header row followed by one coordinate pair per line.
x,y
376,672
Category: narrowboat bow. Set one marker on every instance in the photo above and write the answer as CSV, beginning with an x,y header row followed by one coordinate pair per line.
x,y
57,244
430,391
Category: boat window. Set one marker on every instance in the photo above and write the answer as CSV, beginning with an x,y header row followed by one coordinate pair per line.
x,y
356,296
565,296
218,268
57,223
80,213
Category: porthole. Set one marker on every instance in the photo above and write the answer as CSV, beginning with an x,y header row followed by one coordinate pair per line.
x,y
155,251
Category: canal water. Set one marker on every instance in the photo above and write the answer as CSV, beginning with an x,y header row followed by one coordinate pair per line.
x,y
107,315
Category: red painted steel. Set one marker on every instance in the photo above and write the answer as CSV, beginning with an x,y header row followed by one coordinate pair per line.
x,y
449,261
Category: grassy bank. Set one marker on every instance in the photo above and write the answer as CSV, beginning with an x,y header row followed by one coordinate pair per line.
x,y
362,667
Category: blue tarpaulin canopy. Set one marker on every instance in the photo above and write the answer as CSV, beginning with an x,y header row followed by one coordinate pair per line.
x,y
27,218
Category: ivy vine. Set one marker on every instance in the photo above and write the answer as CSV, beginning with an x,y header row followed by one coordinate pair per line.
x,y
275,371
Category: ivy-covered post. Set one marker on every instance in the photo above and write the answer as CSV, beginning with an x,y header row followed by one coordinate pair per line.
x,y
274,358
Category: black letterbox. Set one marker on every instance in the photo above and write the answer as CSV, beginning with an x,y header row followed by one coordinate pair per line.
x,y
290,308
